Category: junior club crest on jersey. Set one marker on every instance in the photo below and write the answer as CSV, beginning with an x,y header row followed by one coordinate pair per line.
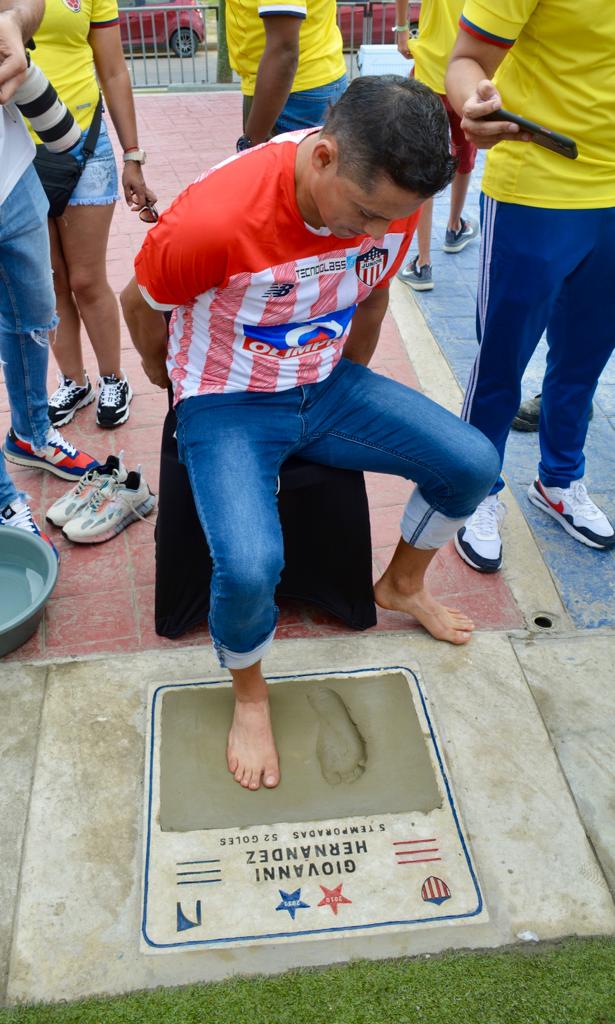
x,y
371,265
73,5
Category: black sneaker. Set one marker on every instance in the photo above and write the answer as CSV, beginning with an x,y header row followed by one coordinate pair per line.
x,y
67,398
114,397
528,416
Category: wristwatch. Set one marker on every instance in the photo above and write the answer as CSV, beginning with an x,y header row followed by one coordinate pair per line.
x,y
243,142
138,155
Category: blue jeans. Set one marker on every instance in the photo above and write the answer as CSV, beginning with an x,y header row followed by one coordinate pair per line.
x,y
543,269
27,314
234,444
310,107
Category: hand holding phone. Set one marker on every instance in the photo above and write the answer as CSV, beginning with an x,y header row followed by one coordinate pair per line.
x,y
554,141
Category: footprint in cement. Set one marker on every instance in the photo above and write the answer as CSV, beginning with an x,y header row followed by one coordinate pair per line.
x,y
340,748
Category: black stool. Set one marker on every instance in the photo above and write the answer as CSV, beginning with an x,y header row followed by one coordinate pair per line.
x,y
329,564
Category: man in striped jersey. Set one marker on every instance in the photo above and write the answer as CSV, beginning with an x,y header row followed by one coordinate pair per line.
x,y
277,264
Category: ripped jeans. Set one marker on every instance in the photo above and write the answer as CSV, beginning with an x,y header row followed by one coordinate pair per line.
x,y
27,314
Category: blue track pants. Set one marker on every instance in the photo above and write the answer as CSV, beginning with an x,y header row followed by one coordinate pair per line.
x,y
543,269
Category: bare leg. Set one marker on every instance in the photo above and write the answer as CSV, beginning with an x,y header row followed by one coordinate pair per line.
x,y
402,588
459,191
423,233
251,751
83,233
66,343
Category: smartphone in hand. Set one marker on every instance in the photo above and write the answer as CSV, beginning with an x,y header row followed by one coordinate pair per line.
x,y
554,141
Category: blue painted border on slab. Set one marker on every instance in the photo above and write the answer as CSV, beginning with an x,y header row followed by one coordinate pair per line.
x,y
585,578
312,931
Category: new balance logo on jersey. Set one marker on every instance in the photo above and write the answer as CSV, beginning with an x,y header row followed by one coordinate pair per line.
x,y
278,291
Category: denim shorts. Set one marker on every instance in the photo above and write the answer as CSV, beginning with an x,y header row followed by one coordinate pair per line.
x,y
310,107
98,184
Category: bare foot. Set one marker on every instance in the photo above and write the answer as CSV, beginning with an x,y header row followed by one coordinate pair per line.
x,y
251,752
443,623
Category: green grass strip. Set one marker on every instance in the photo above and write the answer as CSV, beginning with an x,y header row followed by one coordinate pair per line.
x,y
572,982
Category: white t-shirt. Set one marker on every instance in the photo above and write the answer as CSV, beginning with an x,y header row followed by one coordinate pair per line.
x,y
16,149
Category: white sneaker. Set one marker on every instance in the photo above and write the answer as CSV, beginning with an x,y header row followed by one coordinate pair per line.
x,y
74,501
111,509
575,511
18,515
479,542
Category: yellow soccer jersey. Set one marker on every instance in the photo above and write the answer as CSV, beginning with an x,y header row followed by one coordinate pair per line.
x,y
321,60
559,70
64,54
438,26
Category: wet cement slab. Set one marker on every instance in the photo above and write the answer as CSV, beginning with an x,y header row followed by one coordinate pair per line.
x,y
348,746
362,833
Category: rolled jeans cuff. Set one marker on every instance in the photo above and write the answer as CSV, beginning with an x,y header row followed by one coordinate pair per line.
x,y
235,659
425,528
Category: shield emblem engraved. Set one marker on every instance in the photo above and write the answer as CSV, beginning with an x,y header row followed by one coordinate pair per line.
x,y
371,265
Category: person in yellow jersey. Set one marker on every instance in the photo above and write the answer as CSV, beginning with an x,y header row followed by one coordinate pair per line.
x,y
547,256
78,48
288,55
431,51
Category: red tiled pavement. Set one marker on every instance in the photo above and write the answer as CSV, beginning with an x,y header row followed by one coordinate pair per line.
x,y
105,594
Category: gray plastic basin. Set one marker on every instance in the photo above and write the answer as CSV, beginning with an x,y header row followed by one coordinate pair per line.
x,y
28,574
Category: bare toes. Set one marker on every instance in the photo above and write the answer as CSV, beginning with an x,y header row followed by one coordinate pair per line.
x,y
271,777
460,638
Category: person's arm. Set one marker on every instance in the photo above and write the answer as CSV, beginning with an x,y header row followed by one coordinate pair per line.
x,y
148,331
402,39
366,324
275,76
114,81
19,20
471,92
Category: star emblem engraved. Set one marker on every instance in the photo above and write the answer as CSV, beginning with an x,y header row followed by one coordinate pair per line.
x,y
292,902
333,897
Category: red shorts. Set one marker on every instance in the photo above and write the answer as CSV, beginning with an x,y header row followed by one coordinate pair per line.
x,y
460,147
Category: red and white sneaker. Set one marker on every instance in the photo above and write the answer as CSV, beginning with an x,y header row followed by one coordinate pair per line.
x,y
58,456
575,511
18,515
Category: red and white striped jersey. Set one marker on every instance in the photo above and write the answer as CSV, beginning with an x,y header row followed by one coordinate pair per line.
x,y
262,301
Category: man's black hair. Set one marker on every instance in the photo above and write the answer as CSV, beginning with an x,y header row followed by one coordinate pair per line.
x,y
387,124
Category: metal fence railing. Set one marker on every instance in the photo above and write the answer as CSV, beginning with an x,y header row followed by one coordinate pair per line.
x,y
169,44
175,44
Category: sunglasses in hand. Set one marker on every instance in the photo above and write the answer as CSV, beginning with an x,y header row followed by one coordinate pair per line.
x,y
148,213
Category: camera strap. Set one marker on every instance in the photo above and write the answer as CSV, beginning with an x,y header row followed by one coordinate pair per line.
x,y
92,137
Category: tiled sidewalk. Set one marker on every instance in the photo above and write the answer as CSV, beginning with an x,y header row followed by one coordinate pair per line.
x,y
104,598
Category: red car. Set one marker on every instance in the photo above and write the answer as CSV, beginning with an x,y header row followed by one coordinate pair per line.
x,y
353,20
146,24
